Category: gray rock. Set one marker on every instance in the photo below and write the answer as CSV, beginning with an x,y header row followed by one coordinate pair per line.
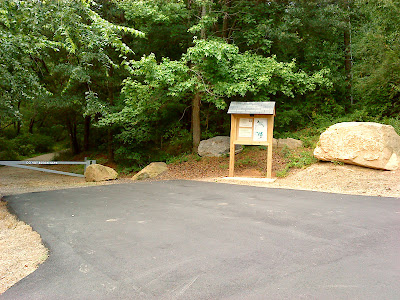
x,y
366,144
290,143
98,172
216,147
152,170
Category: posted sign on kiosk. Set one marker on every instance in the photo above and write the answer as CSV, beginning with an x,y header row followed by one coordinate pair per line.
x,y
252,123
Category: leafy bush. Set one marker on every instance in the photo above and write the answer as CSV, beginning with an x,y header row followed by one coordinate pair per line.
x,y
8,149
296,160
24,145
395,122
30,144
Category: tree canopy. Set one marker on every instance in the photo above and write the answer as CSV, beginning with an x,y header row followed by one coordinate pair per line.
x,y
151,78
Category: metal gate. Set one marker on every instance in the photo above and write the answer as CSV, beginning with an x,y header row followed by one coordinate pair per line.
x,y
27,164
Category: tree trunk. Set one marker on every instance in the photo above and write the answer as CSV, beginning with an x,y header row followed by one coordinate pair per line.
x,y
72,132
203,14
18,127
110,148
196,132
347,62
18,124
86,134
225,20
110,136
31,123
347,56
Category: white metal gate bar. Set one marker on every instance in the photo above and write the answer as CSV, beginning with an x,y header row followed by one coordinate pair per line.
x,y
27,164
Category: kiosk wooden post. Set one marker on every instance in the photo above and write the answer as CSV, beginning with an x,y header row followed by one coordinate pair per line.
x,y
252,123
232,146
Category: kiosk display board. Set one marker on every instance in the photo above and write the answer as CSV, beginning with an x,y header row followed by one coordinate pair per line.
x,y
252,123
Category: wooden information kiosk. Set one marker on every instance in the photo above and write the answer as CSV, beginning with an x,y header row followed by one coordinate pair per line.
x,y
252,123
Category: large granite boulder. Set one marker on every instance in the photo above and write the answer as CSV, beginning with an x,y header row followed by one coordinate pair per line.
x,y
152,170
98,172
216,147
365,144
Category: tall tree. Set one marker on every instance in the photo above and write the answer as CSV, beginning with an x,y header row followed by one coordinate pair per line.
x,y
65,48
211,68
377,65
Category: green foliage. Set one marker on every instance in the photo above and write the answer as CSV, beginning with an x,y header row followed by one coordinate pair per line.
x,y
296,160
62,61
8,150
183,157
179,159
395,122
377,79
156,95
25,146
246,162
165,23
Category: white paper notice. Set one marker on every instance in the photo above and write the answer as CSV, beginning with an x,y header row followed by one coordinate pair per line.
x,y
245,132
245,122
260,130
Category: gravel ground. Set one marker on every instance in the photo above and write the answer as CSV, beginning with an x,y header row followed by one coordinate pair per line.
x,y
322,176
342,179
21,249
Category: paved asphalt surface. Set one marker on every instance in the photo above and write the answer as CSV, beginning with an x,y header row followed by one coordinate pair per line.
x,y
198,240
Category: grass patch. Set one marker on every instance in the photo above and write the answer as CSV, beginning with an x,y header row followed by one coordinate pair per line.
x,y
185,157
298,160
246,162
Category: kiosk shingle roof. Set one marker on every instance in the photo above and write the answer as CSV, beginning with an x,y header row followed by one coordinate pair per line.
x,y
261,108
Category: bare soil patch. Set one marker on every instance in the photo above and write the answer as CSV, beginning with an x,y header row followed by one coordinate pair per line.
x,y
252,162
321,176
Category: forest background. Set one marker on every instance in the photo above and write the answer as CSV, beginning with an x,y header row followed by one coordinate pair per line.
x,y
147,80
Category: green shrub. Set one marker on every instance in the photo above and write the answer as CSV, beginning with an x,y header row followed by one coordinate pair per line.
x,y
246,162
184,157
395,122
8,150
29,144
24,145
296,160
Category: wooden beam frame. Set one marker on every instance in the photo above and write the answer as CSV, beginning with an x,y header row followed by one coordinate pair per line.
x,y
234,140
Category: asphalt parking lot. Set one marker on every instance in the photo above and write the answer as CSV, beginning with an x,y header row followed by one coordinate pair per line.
x,y
199,240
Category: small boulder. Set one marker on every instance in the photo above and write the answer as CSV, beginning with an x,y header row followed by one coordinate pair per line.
x,y
366,144
98,172
152,170
290,143
216,147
